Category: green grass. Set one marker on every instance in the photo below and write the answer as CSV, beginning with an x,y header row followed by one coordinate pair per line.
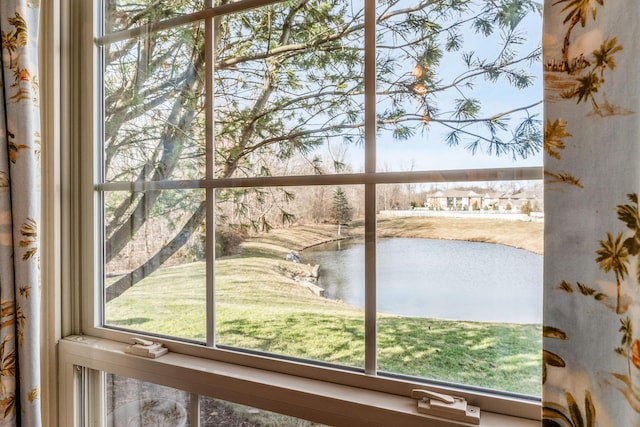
x,y
260,307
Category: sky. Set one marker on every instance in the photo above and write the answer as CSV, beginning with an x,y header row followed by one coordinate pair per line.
x,y
428,151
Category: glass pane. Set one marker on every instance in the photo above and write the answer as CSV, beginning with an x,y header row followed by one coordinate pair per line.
x,y
125,14
288,92
218,413
155,270
133,403
154,107
459,284
459,85
279,293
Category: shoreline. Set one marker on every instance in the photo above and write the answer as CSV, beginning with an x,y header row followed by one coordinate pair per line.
x,y
527,235
518,234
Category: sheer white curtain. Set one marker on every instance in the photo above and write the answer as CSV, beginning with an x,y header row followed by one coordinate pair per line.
x,y
592,246
19,215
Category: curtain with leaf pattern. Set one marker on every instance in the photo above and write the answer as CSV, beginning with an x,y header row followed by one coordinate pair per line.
x,y
591,357
19,215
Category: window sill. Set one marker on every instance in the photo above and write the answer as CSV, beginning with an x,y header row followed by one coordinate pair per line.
x,y
312,399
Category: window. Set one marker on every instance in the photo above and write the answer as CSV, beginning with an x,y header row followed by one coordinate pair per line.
x,y
233,144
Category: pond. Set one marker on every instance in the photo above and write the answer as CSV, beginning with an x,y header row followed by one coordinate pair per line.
x,y
445,279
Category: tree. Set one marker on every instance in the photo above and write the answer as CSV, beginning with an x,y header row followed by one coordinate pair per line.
x,y
341,211
627,339
613,255
586,88
592,77
577,11
288,80
554,135
603,56
630,215
588,84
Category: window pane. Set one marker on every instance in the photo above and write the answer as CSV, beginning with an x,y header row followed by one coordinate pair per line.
x,y
459,285
288,92
279,295
125,14
153,106
154,282
218,413
459,85
134,403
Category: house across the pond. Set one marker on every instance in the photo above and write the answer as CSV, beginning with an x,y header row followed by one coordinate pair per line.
x,y
469,200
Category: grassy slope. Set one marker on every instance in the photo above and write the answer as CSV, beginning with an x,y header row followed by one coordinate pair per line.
x,y
260,307
523,235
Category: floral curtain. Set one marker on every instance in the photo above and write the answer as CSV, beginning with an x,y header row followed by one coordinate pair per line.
x,y
19,215
592,251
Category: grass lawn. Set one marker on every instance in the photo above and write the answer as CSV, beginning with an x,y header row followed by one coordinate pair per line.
x,y
260,307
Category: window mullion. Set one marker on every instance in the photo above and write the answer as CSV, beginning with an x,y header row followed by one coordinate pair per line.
x,y
194,408
207,13
408,177
370,188
210,171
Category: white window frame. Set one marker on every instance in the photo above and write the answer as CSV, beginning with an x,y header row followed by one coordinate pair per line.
x,y
318,393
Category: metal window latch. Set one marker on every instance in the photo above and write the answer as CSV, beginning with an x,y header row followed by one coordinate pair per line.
x,y
445,406
146,348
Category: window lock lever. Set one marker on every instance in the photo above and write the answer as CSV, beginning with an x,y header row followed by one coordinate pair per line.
x,y
146,348
446,406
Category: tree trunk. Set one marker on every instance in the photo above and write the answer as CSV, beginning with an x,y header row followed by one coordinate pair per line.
x,y
618,309
180,120
153,263
596,108
567,42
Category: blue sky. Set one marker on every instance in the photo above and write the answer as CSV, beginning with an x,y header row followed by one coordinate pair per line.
x,y
428,151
